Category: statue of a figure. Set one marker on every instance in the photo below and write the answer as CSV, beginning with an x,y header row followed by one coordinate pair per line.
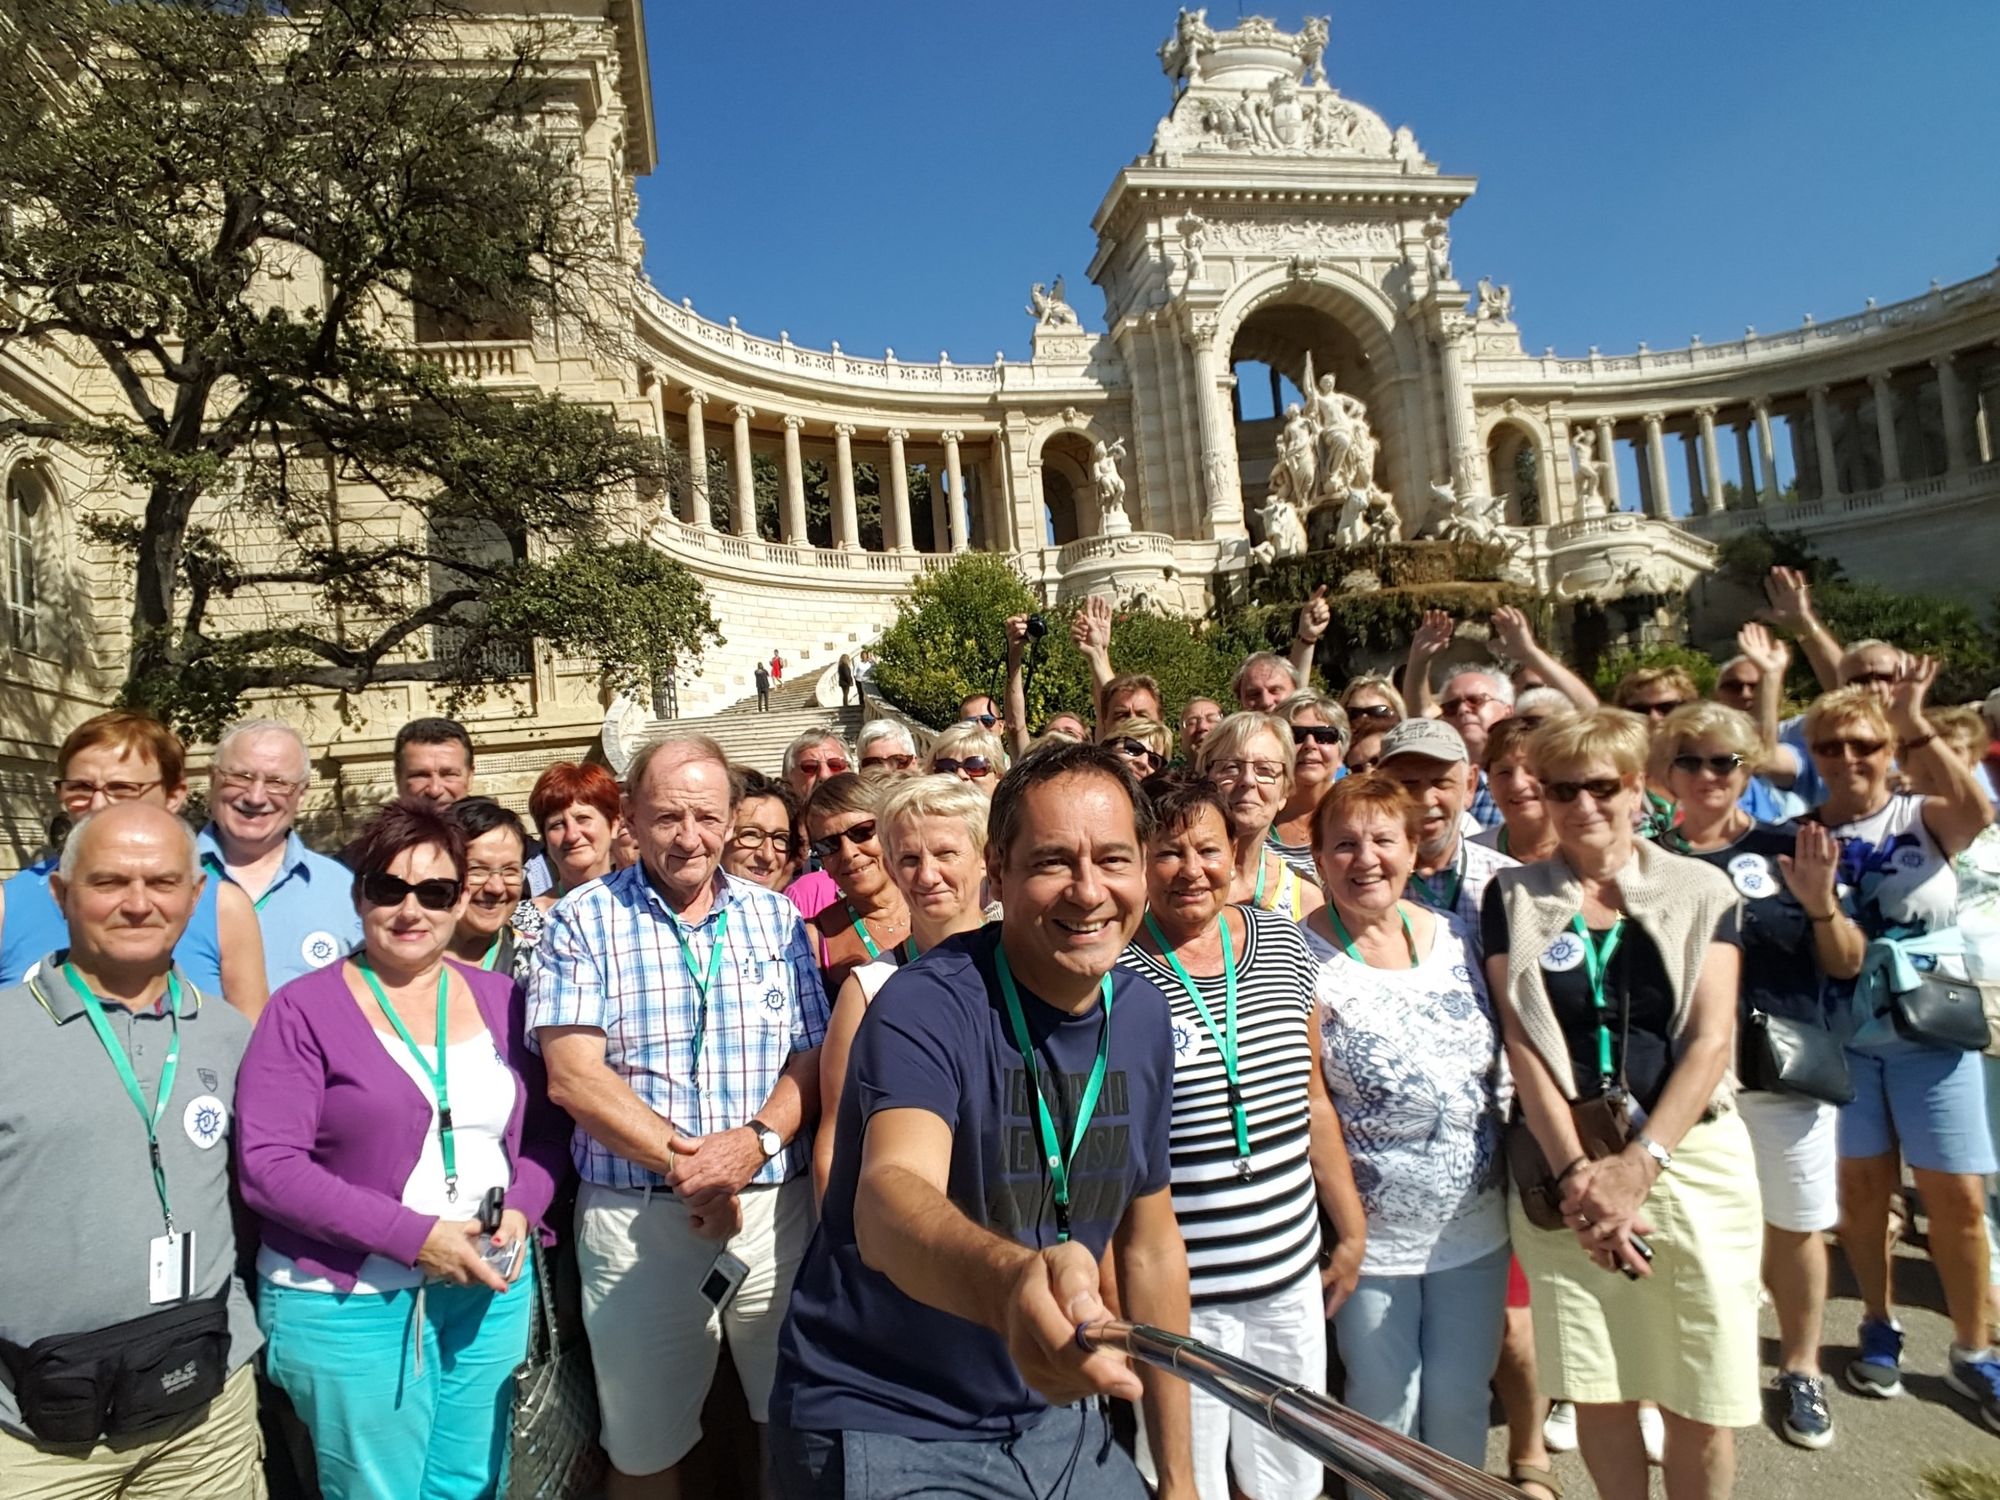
x,y
1284,532
1312,50
1496,302
1437,248
1292,475
1181,53
1194,236
1048,308
1110,485
1404,146
1593,494
1345,451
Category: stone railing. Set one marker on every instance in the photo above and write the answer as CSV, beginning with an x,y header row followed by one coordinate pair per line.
x,y
1132,548
1833,511
941,376
501,362
1938,305
825,564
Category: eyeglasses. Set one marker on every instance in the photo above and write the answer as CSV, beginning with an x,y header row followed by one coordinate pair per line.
x,y
833,767
1658,710
1263,772
1718,765
1737,687
974,766
984,721
1475,702
1601,789
826,848
1133,749
383,889
1315,734
479,875
77,793
1864,679
1381,711
1840,749
243,781
890,762
749,839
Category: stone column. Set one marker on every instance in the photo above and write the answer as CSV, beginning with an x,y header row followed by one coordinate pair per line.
x,y
1746,470
1218,476
1951,409
1607,450
1829,464
956,519
1711,455
1467,462
794,514
846,523
1885,428
1660,500
1691,452
697,485
897,535
743,504
1767,450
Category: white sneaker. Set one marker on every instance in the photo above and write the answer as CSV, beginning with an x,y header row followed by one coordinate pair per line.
x,y
1653,1433
1559,1430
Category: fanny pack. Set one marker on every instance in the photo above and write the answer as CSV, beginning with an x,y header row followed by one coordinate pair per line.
x,y
111,1382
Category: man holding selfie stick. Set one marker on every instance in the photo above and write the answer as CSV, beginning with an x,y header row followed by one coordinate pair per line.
x,y
680,1013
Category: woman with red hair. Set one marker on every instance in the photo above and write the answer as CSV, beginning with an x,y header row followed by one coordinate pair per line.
x,y
577,810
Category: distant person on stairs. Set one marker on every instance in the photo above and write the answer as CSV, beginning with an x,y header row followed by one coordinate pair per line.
x,y
846,679
763,676
777,668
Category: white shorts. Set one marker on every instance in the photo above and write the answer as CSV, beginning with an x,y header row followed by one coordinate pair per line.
x,y
1284,1333
1796,1145
653,1337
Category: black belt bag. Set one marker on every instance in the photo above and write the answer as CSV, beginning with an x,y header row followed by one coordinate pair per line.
x,y
112,1382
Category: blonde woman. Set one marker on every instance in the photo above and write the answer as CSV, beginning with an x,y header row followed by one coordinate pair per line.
x,y
1249,755
932,833
1371,701
1146,745
972,753
1319,743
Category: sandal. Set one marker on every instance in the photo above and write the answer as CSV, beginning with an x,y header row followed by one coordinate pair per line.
x,y
1526,1474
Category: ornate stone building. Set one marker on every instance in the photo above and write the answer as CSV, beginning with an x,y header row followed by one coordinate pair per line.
x,y
1273,239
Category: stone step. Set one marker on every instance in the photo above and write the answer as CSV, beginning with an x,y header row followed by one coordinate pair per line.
x,y
758,740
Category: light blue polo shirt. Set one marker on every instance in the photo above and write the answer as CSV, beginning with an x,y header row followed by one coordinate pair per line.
x,y
33,927
307,913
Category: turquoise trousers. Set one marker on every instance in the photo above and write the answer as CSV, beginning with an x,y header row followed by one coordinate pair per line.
x,y
404,1402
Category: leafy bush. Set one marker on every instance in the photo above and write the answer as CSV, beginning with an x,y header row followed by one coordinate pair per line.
x,y
1696,664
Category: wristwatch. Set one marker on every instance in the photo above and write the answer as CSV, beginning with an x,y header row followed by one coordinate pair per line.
x,y
1655,1150
768,1140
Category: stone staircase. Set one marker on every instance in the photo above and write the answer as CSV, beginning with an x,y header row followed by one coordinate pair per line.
x,y
758,740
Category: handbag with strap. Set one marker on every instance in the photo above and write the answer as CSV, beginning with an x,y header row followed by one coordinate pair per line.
x,y
1783,1056
1603,1127
1941,1012
555,1450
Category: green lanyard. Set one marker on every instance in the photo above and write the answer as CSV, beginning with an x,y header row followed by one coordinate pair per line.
x,y
1596,962
1449,901
1059,1164
702,983
440,1087
1257,896
1225,1039
94,1008
1347,939
493,952
861,931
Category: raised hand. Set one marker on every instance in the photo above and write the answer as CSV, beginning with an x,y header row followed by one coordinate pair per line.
x,y
1017,634
1433,636
1790,598
1512,630
1811,868
1906,696
1091,629
1315,616
1763,650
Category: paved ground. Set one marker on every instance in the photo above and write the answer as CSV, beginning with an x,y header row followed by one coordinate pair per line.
x,y
1880,1447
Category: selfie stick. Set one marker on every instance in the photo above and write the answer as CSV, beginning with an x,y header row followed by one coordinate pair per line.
x,y
1375,1459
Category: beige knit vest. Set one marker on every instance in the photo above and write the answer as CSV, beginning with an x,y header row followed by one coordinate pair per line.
x,y
1674,900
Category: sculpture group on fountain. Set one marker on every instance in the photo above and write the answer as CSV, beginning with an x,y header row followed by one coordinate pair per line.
x,y
1326,459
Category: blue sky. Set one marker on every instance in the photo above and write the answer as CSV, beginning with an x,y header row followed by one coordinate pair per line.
x,y
896,174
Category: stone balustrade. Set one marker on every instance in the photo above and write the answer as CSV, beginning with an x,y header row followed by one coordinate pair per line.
x,y
495,362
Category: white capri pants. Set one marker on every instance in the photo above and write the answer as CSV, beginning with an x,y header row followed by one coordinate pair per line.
x,y
1795,1141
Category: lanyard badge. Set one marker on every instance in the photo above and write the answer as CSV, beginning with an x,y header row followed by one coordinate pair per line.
x,y
150,1118
440,1083
703,982
1059,1163
1225,1038
868,942
1596,966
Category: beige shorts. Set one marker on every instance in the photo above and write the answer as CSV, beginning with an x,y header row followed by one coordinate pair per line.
x,y
653,1337
217,1454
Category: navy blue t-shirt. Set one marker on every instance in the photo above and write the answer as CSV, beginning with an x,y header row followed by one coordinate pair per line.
x,y
856,1353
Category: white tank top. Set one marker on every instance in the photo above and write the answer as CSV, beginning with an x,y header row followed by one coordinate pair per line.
x,y
1892,874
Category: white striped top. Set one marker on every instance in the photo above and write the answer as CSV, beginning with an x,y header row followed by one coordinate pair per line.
x,y
1245,1239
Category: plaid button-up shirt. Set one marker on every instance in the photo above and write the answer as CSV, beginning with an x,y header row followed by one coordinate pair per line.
x,y
610,958
1482,806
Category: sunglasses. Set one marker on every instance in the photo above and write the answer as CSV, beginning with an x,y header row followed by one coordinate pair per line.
x,y
859,834
1863,679
1601,789
974,766
1658,710
384,889
1380,711
984,721
1315,734
1133,749
1720,765
1737,687
888,762
1453,707
1838,749
833,767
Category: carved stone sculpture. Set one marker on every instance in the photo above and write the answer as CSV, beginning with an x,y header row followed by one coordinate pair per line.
x,y
1496,302
1312,50
1593,490
1181,53
1110,487
1437,248
1325,451
1194,237
1284,532
1049,309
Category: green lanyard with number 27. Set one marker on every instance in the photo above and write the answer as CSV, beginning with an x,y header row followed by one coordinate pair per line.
x,y
1058,1161
1225,1038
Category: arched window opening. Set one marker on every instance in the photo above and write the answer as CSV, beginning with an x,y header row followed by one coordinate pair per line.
x,y
20,535
482,544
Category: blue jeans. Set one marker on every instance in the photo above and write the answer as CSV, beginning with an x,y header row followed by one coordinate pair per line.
x,y
1069,1452
350,1363
1420,1350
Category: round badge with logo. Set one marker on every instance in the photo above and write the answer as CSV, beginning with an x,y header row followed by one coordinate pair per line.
x,y
1751,875
206,1121
1563,953
1187,1043
319,949
1911,859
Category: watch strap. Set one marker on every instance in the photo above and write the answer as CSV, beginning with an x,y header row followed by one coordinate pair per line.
x,y
1655,1150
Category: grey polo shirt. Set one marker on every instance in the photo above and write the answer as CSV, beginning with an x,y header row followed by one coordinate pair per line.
x,y
77,1205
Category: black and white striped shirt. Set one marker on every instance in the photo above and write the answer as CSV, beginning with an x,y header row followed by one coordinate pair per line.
x,y
1245,1239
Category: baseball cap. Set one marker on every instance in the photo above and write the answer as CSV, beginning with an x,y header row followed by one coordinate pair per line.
x,y
1431,738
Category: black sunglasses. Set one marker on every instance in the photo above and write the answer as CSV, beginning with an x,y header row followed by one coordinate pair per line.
x,y
1371,711
1133,749
1657,710
859,834
384,889
1315,734
974,766
1721,765
1601,789
984,721
1864,679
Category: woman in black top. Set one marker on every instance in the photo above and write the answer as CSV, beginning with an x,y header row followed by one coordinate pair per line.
x,y
1794,933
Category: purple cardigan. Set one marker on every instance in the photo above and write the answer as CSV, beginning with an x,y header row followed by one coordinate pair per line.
x,y
329,1127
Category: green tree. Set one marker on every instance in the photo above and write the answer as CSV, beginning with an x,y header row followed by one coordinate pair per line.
x,y
1697,664
175,165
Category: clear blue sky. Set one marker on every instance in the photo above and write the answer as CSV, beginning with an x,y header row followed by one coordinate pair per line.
x,y
898,173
